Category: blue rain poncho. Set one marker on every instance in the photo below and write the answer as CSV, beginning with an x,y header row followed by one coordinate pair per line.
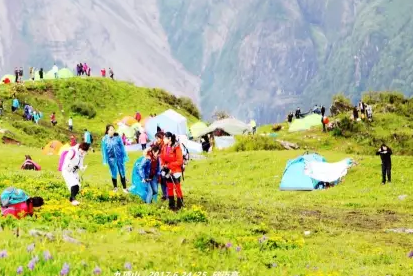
x,y
114,154
141,170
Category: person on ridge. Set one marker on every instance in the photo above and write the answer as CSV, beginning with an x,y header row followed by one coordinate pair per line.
x,y
55,71
16,74
385,154
103,73
21,75
298,113
111,74
72,164
15,105
70,123
41,74
172,161
115,155
355,113
145,173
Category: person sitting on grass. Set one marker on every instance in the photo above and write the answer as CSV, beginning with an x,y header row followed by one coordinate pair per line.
x,y
29,164
16,203
145,175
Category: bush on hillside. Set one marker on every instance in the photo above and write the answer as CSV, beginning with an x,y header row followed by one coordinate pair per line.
x,y
164,96
84,109
188,105
256,143
373,97
276,127
340,104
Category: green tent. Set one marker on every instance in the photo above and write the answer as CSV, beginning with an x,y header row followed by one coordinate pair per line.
x,y
65,73
197,128
306,123
11,78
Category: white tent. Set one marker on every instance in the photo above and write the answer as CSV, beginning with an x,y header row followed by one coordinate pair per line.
x,y
170,121
327,172
230,126
193,147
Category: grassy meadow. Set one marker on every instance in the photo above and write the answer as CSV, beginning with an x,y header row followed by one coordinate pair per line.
x,y
235,219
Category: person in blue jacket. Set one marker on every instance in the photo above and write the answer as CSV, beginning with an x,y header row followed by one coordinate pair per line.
x,y
145,174
15,105
115,155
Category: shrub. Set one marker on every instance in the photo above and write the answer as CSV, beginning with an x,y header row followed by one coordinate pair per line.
x,y
84,109
340,104
276,127
188,105
255,143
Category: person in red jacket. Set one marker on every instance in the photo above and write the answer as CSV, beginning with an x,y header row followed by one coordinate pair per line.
x,y
73,141
172,161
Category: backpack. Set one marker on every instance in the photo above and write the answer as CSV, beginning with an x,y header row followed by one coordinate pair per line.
x,y
62,159
186,158
91,138
12,196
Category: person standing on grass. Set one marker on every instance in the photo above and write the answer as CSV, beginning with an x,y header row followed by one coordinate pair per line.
x,y
162,180
111,74
72,164
143,140
55,70
115,155
1,107
103,73
70,123
87,137
146,171
15,105
73,141
21,75
36,117
16,74
41,72
53,119
385,154
172,162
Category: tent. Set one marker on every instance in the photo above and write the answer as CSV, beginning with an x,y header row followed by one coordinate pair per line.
x,y
65,73
224,142
49,75
52,148
230,126
169,120
129,120
127,130
309,171
193,147
306,123
65,147
11,78
196,128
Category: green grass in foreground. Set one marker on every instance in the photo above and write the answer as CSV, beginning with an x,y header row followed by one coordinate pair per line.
x,y
232,203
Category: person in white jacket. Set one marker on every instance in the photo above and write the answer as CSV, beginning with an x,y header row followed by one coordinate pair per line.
x,y
73,162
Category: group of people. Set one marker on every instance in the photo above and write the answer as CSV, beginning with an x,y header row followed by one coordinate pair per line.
x,y
83,69
161,164
366,111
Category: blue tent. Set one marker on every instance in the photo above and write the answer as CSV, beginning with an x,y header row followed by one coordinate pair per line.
x,y
294,178
170,121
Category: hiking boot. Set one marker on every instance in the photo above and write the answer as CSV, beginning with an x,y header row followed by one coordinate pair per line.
x,y
115,184
171,203
126,191
383,183
123,181
115,190
75,203
180,203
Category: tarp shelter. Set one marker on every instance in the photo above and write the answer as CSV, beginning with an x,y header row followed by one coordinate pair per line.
x,y
64,148
306,123
197,128
224,142
170,121
308,172
52,148
11,78
230,126
65,73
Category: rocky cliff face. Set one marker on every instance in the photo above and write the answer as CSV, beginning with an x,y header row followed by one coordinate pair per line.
x,y
253,58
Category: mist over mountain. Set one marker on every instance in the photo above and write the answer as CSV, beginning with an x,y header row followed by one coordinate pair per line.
x,y
252,58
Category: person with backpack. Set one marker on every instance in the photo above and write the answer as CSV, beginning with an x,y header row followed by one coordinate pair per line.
x,y
385,154
70,164
15,202
145,173
114,154
172,162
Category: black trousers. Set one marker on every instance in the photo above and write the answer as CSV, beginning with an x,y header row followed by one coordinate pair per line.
x,y
143,146
386,170
74,192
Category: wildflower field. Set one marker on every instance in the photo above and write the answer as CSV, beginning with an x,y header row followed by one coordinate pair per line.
x,y
235,221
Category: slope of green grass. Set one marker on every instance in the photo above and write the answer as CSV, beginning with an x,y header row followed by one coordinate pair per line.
x,y
235,219
111,100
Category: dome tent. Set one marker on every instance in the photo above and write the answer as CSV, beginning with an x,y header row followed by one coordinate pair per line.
x,y
52,148
197,128
169,120
65,73
306,123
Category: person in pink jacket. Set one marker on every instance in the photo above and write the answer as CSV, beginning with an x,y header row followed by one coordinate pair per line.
x,y
143,140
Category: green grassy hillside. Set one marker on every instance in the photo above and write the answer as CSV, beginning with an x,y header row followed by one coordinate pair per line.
x,y
235,219
110,100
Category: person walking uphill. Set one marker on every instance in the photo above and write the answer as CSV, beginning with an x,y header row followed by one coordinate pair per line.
x,y
115,155
145,175
72,163
385,154
172,161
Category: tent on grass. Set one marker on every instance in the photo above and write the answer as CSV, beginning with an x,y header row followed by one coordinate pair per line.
x,y
65,73
230,126
306,123
52,148
128,120
193,147
311,171
49,75
10,77
169,120
197,128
